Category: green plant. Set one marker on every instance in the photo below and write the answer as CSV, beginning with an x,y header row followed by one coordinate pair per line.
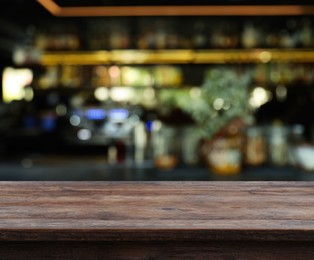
x,y
221,98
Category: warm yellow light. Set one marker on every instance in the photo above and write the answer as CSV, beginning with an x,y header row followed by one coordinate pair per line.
x,y
122,94
175,10
265,56
259,97
114,72
14,81
102,93
149,94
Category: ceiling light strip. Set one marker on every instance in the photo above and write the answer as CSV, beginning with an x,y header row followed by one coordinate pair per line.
x,y
56,10
51,6
181,10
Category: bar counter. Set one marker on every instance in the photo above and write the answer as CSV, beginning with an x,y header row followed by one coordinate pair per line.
x,y
157,220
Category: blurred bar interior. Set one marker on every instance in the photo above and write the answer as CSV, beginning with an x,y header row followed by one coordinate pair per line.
x,y
113,90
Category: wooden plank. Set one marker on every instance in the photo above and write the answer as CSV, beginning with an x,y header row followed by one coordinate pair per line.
x,y
156,211
156,250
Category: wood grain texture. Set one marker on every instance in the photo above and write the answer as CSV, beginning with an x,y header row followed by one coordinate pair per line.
x,y
157,211
228,250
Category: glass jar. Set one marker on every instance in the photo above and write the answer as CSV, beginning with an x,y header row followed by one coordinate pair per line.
x,y
165,145
223,155
190,140
278,144
255,152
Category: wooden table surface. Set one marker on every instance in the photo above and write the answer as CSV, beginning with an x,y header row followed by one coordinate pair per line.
x,y
156,211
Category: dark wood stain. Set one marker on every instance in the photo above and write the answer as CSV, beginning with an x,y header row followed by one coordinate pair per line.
x,y
156,220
